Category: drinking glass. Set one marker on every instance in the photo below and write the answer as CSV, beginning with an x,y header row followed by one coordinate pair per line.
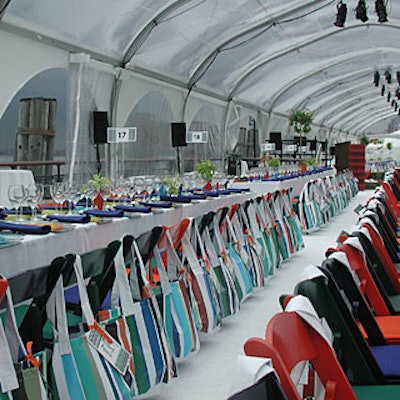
x,y
73,196
58,194
140,185
17,195
34,195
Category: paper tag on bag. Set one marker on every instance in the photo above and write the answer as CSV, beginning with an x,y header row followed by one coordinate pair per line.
x,y
109,348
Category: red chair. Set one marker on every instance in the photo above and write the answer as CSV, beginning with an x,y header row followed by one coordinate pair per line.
x,y
290,340
367,284
3,287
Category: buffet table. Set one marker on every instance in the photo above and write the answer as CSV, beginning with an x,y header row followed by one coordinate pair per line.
x,y
296,182
35,251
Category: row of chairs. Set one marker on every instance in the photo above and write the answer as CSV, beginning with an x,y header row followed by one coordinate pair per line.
x,y
112,322
322,199
340,331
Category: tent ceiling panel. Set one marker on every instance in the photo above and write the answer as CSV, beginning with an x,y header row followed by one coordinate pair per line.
x,y
106,26
273,54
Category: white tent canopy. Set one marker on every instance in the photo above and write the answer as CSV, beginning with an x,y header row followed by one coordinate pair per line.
x,y
210,63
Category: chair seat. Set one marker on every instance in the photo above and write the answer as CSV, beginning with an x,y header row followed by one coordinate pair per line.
x,y
387,392
388,358
389,326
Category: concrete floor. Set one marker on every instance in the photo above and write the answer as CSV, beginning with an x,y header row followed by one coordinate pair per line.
x,y
208,374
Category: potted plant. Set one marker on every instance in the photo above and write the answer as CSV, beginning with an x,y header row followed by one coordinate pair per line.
x,y
274,162
172,185
101,187
310,162
206,169
301,121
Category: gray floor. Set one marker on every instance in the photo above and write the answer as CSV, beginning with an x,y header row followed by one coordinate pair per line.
x,y
208,374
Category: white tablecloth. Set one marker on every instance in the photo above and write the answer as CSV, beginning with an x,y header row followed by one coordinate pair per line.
x,y
13,177
297,184
38,251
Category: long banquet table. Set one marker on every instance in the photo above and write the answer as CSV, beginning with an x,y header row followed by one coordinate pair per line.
x,y
296,183
36,251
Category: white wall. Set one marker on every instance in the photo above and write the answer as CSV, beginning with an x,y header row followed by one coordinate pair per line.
x,y
21,60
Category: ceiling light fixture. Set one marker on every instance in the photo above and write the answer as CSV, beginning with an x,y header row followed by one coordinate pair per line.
x,y
376,78
380,8
388,97
398,93
398,77
383,90
341,14
361,11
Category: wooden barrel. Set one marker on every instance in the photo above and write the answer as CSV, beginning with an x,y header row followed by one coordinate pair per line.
x,y
36,133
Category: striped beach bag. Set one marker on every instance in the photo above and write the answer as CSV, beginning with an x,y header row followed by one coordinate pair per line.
x,y
136,305
203,286
87,362
182,332
22,374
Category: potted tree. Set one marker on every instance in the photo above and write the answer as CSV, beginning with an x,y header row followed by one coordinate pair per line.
x,y
206,169
301,121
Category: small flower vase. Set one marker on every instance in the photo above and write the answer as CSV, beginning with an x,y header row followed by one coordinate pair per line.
x,y
208,186
98,202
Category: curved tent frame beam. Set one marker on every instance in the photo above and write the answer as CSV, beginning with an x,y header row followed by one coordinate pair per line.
x,y
319,106
344,105
327,65
362,127
362,115
343,109
332,84
141,37
295,47
203,65
371,104
365,119
324,114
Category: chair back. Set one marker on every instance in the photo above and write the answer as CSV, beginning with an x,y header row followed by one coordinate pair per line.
x,y
360,309
289,341
351,348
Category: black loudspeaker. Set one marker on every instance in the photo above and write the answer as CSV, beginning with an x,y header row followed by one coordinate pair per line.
x,y
178,134
275,137
313,145
100,125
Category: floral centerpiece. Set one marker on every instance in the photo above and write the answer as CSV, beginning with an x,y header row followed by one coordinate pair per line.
x,y
101,187
206,169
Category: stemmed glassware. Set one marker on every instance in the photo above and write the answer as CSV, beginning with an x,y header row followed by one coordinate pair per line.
x,y
17,195
34,195
73,196
58,194
140,185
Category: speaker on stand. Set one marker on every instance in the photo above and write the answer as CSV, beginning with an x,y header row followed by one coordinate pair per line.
x,y
178,138
100,125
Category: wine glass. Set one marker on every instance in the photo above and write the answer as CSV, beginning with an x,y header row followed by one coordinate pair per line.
x,y
148,181
73,196
16,195
140,185
34,195
58,193
106,191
